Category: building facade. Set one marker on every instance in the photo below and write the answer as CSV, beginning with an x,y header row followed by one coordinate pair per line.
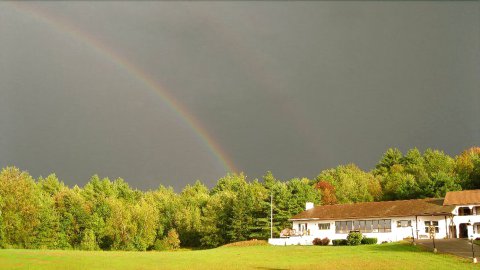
x,y
455,216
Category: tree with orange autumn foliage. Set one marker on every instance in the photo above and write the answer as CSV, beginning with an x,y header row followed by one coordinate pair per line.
x,y
328,192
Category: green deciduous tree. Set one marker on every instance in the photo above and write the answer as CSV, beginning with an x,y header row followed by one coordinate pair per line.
x,y
352,184
417,175
74,216
187,222
21,208
467,167
145,219
88,240
119,226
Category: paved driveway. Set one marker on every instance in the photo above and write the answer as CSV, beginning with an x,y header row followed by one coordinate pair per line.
x,y
459,247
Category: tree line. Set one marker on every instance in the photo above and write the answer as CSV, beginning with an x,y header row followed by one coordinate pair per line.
x,y
110,215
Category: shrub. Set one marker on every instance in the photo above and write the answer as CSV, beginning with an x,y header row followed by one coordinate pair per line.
x,y
317,242
369,241
354,238
172,239
160,245
325,241
170,242
339,242
321,242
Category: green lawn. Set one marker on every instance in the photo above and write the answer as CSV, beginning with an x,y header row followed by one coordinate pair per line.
x,y
386,256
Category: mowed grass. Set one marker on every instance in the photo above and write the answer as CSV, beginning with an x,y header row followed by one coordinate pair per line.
x,y
386,256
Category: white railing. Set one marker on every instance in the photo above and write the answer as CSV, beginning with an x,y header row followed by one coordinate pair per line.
x,y
294,240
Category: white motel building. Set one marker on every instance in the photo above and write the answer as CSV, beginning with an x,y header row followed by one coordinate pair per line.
x,y
455,216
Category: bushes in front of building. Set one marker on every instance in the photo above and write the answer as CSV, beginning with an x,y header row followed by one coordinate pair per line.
x,y
339,242
354,238
321,242
325,241
369,240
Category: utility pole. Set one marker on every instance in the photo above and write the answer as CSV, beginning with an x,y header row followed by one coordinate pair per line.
x,y
271,215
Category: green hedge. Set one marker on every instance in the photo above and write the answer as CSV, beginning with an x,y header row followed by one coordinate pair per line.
x,y
363,241
369,241
339,242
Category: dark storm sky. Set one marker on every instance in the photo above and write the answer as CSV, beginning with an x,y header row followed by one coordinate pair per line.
x,y
291,87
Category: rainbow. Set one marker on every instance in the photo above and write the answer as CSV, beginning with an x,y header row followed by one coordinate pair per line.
x,y
142,76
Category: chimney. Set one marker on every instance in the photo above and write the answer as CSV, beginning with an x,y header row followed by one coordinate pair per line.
x,y
309,205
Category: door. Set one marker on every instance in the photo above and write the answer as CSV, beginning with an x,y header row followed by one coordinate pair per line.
x,y
463,230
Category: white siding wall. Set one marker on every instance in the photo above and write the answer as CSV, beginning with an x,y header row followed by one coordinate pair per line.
x,y
396,234
474,219
442,226
418,227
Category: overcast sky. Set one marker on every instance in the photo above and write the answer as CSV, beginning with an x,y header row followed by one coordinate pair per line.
x,y
291,87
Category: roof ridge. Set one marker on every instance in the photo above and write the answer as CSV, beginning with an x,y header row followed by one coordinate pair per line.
x,y
456,191
353,203
397,208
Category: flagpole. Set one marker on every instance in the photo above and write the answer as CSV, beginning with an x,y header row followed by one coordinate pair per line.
x,y
271,215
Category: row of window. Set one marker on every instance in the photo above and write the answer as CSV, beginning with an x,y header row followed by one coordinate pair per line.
x,y
371,226
400,224
364,226
466,211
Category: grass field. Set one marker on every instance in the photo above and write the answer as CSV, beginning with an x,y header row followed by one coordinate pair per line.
x,y
386,256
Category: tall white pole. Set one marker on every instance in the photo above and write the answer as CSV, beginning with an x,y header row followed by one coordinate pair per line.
x,y
271,215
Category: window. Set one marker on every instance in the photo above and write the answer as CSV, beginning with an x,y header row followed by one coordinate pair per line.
x,y
324,226
349,225
431,223
356,225
388,225
404,223
340,227
364,226
464,211
368,226
374,225
384,225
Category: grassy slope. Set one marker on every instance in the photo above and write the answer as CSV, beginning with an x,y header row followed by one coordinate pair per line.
x,y
387,256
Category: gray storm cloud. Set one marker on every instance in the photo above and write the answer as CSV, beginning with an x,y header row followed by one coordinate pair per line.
x,y
291,87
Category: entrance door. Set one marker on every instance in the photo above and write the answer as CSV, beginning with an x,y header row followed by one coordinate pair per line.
x,y
463,230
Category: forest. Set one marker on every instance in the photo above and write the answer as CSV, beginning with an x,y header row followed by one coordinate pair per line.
x,y
45,213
